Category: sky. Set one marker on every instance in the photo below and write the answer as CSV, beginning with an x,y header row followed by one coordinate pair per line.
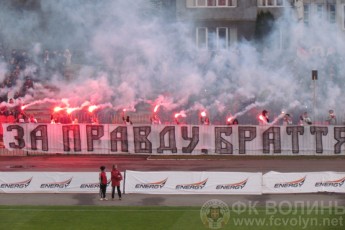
x,y
136,60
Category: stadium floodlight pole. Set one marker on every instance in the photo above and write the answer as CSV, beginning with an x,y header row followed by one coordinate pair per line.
x,y
314,79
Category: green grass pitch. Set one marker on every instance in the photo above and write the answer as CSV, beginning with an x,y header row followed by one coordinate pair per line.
x,y
165,218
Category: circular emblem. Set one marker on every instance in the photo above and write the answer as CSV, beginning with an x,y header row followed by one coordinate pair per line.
x,y
214,214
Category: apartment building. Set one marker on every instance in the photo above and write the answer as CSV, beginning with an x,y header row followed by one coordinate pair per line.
x,y
218,24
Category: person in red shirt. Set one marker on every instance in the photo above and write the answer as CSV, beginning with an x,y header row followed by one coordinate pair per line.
x,y
116,178
103,183
11,118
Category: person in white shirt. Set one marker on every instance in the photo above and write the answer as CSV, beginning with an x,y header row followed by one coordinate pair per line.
x,y
305,119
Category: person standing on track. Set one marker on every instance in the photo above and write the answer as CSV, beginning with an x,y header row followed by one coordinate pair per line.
x,y
116,178
103,183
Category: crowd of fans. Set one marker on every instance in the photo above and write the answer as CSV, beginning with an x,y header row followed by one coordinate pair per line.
x,y
19,69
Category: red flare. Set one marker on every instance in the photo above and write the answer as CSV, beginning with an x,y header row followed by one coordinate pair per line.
x,y
92,108
156,108
70,110
203,114
229,119
261,117
177,115
57,109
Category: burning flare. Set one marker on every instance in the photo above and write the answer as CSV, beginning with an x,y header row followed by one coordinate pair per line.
x,y
92,108
156,108
57,109
262,118
70,110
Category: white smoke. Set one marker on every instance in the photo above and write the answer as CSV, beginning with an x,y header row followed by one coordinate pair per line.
x,y
132,57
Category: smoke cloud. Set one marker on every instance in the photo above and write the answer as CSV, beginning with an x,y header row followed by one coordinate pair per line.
x,y
125,54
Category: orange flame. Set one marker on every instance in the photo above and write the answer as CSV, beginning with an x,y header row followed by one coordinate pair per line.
x,y
70,110
57,109
261,117
92,108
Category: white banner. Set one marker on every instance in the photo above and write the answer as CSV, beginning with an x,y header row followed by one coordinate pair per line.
x,y
51,182
170,182
304,182
175,139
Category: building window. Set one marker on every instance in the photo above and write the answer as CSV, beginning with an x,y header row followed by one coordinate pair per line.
x,y
306,11
332,13
232,36
227,2
279,2
211,3
201,37
222,3
219,38
200,2
319,11
212,39
222,38
214,3
271,3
